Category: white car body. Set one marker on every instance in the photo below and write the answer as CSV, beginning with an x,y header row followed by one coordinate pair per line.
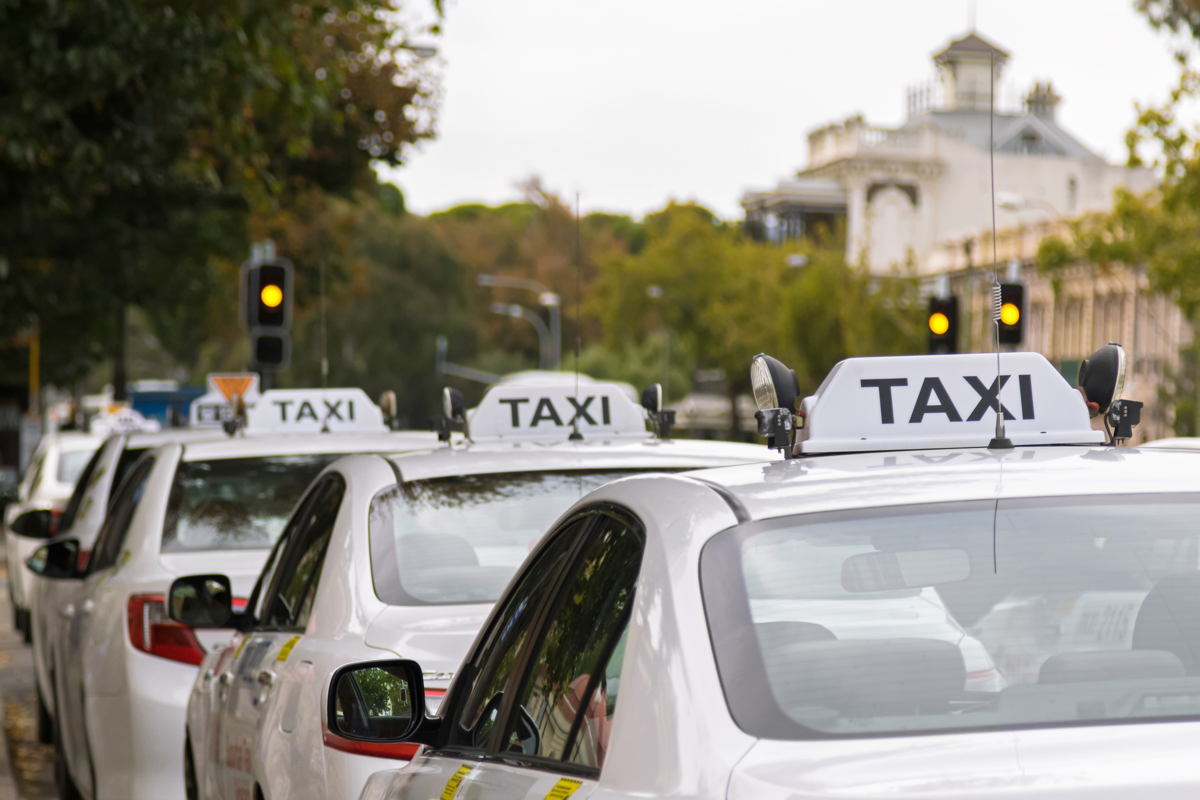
x,y
48,483
255,712
676,731
120,711
47,597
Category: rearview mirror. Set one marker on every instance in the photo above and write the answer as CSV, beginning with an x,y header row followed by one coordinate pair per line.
x,y
379,701
201,601
33,524
911,569
56,560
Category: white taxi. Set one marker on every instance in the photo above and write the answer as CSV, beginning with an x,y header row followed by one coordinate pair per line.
x,y
409,553
122,670
42,497
80,523
675,636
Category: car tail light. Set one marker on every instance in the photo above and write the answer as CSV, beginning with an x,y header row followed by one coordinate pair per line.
x,y
55,517
81,563
400,750
153,632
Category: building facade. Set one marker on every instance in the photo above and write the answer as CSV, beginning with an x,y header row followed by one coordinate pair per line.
x,y
919,198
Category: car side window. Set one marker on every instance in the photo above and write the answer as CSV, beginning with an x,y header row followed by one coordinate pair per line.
x,y
120,515
260,597
496,658
81,486
565,707
295,586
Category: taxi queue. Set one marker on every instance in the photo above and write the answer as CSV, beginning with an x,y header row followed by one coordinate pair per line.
x,y
939,579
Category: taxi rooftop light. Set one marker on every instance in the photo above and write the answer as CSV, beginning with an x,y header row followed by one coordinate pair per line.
x,y
1102,380
662,419
776,389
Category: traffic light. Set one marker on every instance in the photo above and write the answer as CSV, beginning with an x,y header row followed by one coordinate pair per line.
x,y
1012,313
943,325
266,295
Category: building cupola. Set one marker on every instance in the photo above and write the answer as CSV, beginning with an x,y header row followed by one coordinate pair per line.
x,y
964,68
1042,100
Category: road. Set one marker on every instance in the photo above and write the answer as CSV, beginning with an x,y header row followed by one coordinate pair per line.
x,y
26,767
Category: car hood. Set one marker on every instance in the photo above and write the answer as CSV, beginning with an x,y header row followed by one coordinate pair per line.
x,y
1097,763
436,637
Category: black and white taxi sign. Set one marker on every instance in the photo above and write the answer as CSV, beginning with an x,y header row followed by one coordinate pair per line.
x,y
552,412
315,411
912,402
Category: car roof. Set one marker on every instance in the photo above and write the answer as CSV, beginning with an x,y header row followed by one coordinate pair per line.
x,y
302,444
883,479
72,440
648,454
155,438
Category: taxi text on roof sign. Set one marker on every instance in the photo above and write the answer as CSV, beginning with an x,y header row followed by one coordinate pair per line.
x,y
915,402
315,411
550,412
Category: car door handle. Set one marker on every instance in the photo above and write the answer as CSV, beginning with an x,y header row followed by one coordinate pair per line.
x,y
67,611
88,605
208,674
266,678
225,679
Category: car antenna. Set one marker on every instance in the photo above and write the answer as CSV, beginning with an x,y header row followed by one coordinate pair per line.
x,y
999,441
576,436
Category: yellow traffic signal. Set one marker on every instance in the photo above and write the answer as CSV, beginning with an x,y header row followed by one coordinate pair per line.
x,y
939,323
272,295
1010,314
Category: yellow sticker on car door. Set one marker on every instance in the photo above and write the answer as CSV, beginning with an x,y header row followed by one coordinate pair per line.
x,y
563,789
286,650
455,780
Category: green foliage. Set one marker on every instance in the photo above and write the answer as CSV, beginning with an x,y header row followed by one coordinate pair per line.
x,y
1182,392
137,138
654,359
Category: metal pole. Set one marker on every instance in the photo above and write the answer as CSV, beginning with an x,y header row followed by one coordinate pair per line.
x,y
548,300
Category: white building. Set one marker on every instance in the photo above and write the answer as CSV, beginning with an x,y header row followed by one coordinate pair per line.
x,y
902,191
919,197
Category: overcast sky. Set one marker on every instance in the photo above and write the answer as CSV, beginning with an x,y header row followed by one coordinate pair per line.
x,y
633,102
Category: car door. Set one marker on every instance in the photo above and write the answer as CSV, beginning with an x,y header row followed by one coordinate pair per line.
x,y
531,718
80,630
249,680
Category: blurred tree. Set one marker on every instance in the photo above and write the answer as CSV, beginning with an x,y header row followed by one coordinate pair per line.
x,y
136,138
725,297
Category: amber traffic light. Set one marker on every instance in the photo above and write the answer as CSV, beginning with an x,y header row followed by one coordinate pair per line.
x,y
942,322
1012,313
267,312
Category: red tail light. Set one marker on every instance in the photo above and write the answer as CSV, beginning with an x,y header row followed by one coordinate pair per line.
x,y
55,518
400,750
151,631
84,557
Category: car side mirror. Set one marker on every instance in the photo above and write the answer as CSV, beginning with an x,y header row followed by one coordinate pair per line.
x,y
56,560
380,702
33,524
201,601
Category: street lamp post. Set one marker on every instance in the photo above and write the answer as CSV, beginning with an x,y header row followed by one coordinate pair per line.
x,y
520,312
546,298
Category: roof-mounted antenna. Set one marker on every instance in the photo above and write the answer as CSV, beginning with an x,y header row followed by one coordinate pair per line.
x,y
576,436
1000,441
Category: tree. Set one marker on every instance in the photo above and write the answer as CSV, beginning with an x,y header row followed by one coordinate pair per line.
x,y
136,138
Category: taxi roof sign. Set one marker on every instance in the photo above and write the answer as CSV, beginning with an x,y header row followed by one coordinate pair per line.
x,y
212,408
927,402
549,412
315,411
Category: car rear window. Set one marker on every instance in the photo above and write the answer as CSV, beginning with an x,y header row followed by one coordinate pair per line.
x,y
236,503
71,463
459,540
981,615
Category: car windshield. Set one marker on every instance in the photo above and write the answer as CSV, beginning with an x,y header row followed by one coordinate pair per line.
x,y
71,463
975,615
459,540
236,503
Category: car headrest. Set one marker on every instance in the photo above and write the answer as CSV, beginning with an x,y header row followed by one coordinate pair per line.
x,y
1169,619
868,677
423,550
1110,665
